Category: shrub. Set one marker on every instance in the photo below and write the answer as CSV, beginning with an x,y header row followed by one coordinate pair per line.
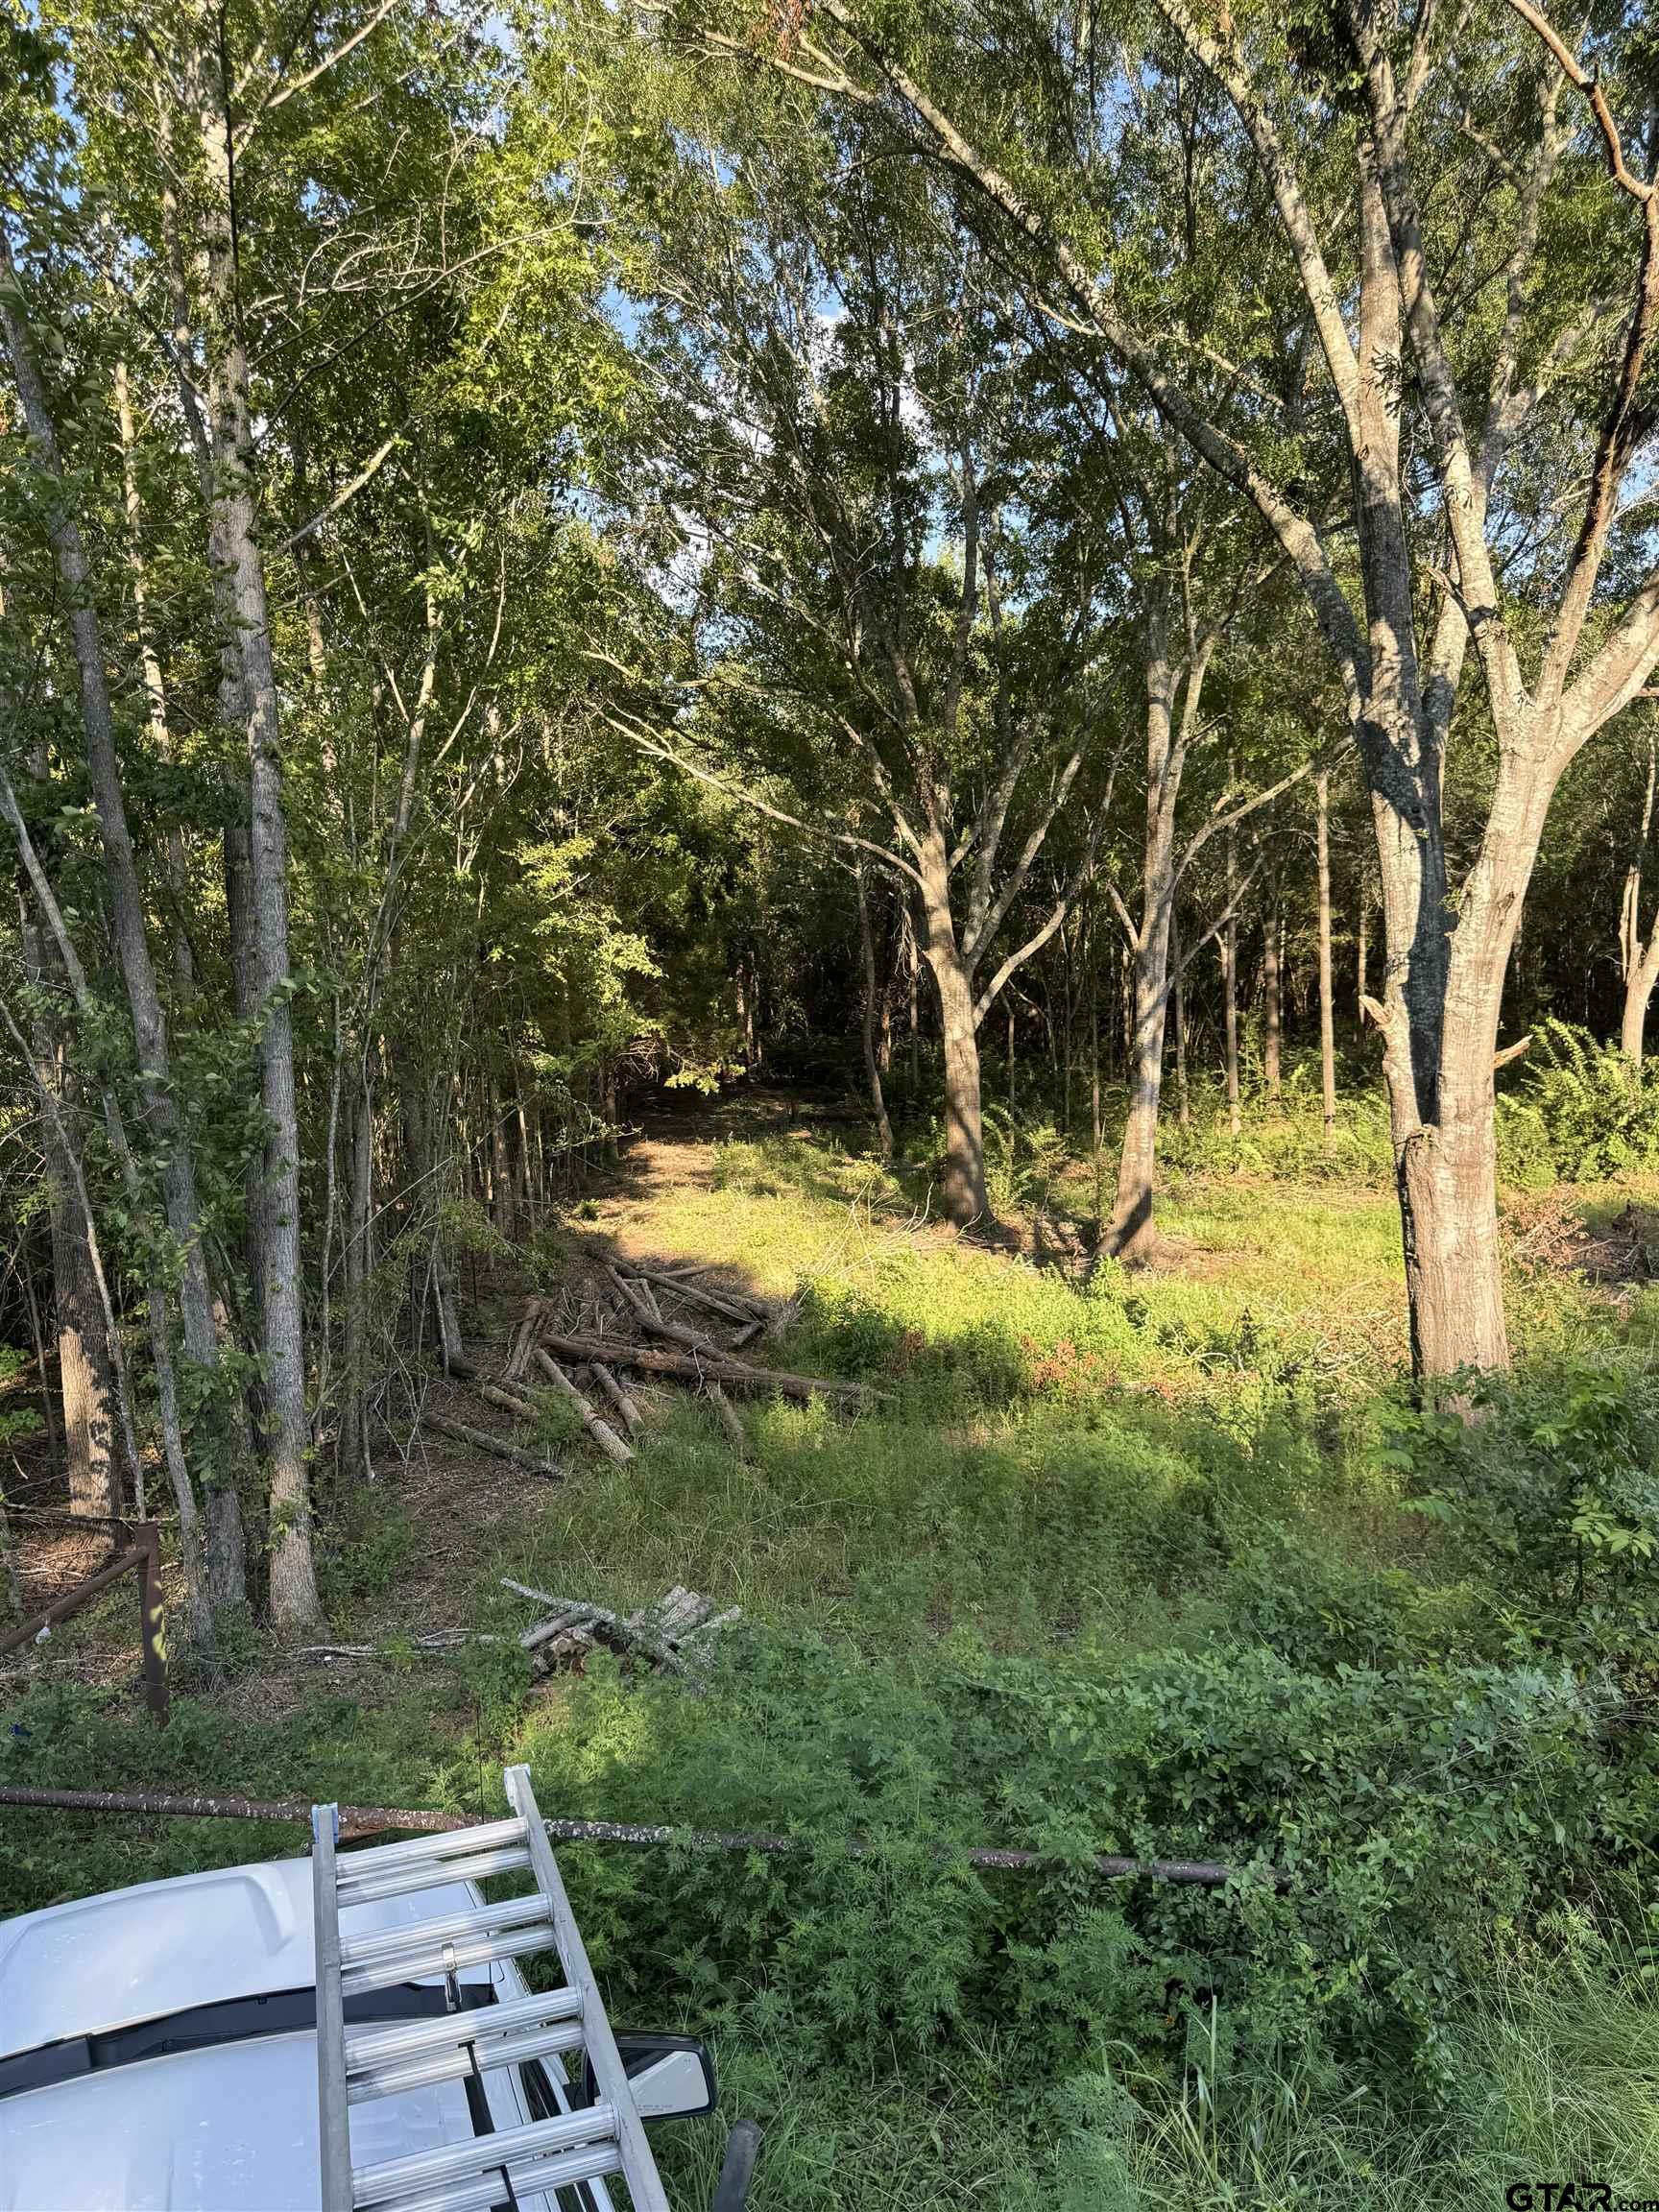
x,y
1596,1113
1548,1482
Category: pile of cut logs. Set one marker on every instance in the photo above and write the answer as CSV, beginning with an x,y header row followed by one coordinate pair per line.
x,y
654,1323
673,1633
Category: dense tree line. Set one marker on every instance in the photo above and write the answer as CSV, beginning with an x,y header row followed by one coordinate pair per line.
x,y
547,553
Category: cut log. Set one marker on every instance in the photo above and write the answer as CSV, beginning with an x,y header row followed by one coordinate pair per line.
x,y
630,1415
728,1419
676,1332
698,1294
750,1329
481,1440
629,1634
601,1431
497,1395
523,1340
562,1624
722,1366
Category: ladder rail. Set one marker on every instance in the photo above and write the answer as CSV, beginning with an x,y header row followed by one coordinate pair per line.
x,y
638,2162
333,2127
585,2144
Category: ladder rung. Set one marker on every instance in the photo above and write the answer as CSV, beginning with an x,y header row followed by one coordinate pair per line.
x,y
409,2038
530,2178
421,1934
456,2064
446,1957
432,2172
425,1850
421,1874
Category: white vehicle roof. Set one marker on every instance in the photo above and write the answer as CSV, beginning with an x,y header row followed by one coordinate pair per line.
x,y
229,2128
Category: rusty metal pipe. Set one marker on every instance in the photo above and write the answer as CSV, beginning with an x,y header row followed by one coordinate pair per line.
x,y
372,1819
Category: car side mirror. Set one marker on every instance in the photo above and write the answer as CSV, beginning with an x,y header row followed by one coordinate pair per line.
x,y
672,2076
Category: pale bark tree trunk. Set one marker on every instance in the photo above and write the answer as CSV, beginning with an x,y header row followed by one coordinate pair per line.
x,y
963,1191
354,1455
1229,946
82,1358
1273,1013
1183,1096
126,898
1097,1130
1639,961
150,668
1130,1236
1327,1010
1363,950
294,1598
84,1374
913,960
500,1166
872,1058
199,1610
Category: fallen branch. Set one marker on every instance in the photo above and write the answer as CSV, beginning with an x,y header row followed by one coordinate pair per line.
x,y
733,1428
354,1819
699,1294
629,1634
431,1646
369,1820
722,1366
636,1296
630,1415
521,1407
601,1431
481,1440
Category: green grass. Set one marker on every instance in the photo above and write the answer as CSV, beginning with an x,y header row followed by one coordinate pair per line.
x,y
1120,1566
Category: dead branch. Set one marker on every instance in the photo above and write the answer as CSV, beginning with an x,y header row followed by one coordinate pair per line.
x,y
601,1431
735,1374
481,1440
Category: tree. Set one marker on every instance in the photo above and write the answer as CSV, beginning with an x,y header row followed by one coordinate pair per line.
x,y
893,612
1497,399
1638,955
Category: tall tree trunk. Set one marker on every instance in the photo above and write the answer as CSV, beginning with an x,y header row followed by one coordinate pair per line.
x,y
1183,1096
1230,986
914,962
500,1164
1638,962
1273,1010
150,667
1097,1131
1362,951
354,1456
872,1058
84,1375
1130,1236
1327,1009
963,1193
126,900
1440,1025
294,1598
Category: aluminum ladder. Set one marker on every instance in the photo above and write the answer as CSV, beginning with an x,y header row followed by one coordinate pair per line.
x,y
585,2144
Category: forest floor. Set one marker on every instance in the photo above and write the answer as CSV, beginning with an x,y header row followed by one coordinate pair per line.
x,y
1069,1482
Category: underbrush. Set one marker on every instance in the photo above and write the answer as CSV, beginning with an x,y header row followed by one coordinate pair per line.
x,y
1170,1565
